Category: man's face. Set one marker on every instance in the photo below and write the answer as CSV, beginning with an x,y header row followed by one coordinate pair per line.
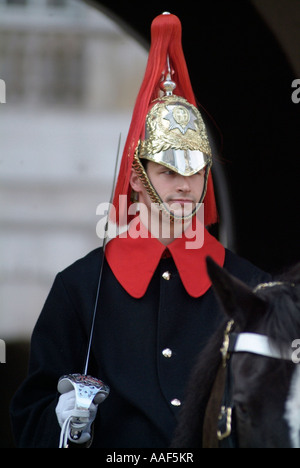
x,y
179,193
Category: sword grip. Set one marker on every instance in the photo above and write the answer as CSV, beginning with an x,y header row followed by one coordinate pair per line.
x,y
87,389
78,423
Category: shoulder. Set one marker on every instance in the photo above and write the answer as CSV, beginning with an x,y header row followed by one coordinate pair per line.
x,y
244,270
84,272
88,263
77,284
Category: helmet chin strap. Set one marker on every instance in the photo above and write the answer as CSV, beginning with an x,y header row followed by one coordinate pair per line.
x,y
156,199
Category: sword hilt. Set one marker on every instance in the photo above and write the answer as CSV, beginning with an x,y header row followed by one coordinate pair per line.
x,y
88,390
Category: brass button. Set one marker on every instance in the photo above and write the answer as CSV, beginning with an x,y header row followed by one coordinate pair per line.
x,y
167,353
166,275
176,402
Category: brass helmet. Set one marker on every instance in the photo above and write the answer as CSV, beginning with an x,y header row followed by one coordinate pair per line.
x,y
166,127
175,137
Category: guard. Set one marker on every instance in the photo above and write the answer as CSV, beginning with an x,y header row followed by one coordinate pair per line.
x,y
156,309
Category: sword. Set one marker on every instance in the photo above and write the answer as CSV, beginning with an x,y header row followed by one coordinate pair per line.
x,y
88,389
102,262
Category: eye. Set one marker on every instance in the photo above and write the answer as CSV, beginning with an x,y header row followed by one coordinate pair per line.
x,y
169,172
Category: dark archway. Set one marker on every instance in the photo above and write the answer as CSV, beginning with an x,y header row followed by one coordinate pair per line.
x,y
242,77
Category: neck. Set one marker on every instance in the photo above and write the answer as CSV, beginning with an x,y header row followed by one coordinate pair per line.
x,y
161,226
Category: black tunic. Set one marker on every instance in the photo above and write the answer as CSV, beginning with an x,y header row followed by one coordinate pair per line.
x,y
127,352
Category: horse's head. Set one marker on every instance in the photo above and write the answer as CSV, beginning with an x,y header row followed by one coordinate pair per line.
x,y
261,355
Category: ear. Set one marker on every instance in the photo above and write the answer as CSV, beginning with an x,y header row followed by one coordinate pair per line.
x,y
236,298
135,181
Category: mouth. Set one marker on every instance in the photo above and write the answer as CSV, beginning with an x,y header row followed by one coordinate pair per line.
x,y
181,201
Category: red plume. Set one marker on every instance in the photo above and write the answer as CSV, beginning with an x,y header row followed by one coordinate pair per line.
x,y
165,41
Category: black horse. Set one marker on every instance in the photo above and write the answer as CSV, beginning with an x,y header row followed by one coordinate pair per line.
x,y
247,395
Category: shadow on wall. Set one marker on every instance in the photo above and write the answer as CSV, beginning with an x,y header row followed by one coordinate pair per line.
x,y
12,374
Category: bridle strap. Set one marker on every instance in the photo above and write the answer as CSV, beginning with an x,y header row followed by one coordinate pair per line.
x,y
254,343
226,429
257,344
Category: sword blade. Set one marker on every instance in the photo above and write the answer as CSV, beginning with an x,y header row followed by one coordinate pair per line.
x,y
102,261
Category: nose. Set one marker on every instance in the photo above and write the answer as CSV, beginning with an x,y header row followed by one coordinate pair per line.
x,y
183,184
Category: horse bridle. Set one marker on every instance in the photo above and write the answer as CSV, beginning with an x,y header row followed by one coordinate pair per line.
x,y
240,343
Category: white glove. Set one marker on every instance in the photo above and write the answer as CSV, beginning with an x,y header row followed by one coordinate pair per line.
x,y
67,414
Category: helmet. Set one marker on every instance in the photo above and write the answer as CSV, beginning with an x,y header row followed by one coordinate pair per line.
x,y
166,127
175,136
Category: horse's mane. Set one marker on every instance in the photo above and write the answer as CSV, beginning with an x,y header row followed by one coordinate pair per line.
x,y
282,320
189,429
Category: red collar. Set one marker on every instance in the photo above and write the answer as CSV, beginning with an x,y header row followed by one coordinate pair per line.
x,y
134,260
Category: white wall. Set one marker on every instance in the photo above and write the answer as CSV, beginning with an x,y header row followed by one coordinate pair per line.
x,y
56,155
